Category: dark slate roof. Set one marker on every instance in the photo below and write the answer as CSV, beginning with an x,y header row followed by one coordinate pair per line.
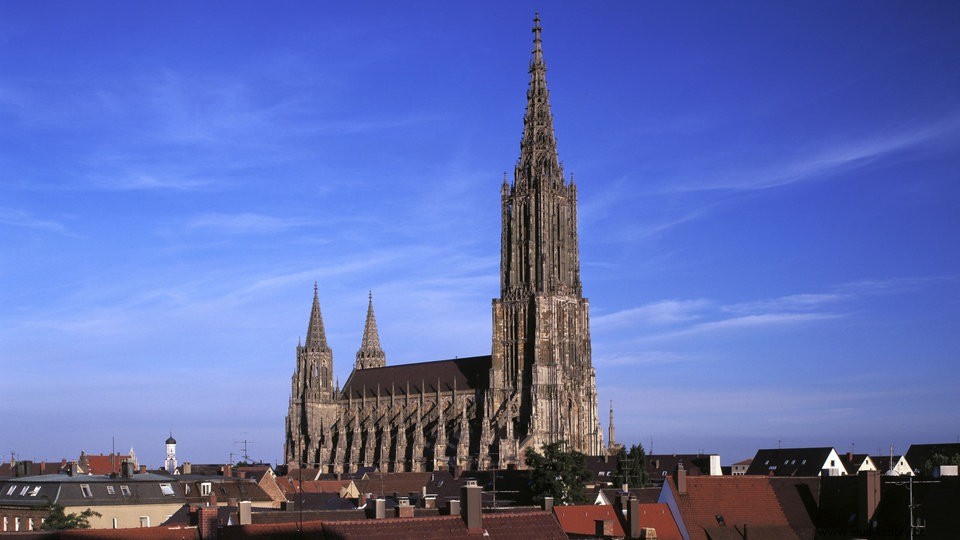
x,y
791,462
466,374
224,487
89,490
661,465
852,462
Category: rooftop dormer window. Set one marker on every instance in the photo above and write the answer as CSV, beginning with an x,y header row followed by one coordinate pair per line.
x,y
85,491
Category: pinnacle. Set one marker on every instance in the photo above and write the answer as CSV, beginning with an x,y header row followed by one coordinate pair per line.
x,y
370,353
316,335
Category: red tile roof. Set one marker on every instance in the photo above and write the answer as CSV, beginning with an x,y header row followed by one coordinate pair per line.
x,y
581,519
526,526
715,505
105,464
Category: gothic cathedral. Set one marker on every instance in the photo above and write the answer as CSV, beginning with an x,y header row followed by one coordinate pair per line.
x,y
537,387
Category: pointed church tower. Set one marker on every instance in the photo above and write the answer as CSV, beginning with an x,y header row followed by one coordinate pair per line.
x,y
370,354
541,366
311,392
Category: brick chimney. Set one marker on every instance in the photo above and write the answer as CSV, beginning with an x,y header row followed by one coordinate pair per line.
x,y
680,477
548,504
207,522
604,528
470,509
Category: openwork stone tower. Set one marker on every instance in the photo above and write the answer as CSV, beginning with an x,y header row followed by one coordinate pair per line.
x,y
542,375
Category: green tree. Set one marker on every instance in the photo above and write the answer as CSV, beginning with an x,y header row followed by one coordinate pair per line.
x,y
937,459
631,467
558,473
57,519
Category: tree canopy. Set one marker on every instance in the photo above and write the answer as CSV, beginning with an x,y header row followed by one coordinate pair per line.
x,y
631,467
57,519
558,473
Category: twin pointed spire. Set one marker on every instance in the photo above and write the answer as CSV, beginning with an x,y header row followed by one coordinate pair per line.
x,y
316,335
539,161
370,354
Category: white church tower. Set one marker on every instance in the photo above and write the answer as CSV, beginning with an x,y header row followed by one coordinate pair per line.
x,y
171,462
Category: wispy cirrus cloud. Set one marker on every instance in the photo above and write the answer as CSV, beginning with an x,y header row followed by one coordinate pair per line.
x,y
825,161
245,223
658,313
19,218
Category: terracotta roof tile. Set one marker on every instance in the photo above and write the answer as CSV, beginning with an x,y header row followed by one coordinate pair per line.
x,y
732,501
581,519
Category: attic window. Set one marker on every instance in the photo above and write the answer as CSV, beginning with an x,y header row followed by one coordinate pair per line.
x,y
24,490
166,489
205,488
12,489
111,490
85,490
125,491
804,462
36,489
767,462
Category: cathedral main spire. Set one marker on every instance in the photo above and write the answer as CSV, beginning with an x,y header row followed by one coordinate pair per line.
x,y
539,161
541,362
316,335
370,354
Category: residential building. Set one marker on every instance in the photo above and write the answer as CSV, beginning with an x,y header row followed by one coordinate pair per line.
x,y
797,462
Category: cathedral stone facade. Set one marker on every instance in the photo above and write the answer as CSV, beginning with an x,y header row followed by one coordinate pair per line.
x,y
537,386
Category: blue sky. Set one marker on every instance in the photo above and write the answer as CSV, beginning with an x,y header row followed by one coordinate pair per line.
x,y
769,220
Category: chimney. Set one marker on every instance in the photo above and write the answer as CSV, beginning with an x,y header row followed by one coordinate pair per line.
x,y
379,508
246,518
680,477
404,509
143,469
207,522
226,471
186,468
603,528
72,468
633,517
625,487
868,497
430,501
548,504
471,510
453,507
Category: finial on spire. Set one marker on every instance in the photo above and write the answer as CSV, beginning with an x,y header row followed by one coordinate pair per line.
x,y
537,48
